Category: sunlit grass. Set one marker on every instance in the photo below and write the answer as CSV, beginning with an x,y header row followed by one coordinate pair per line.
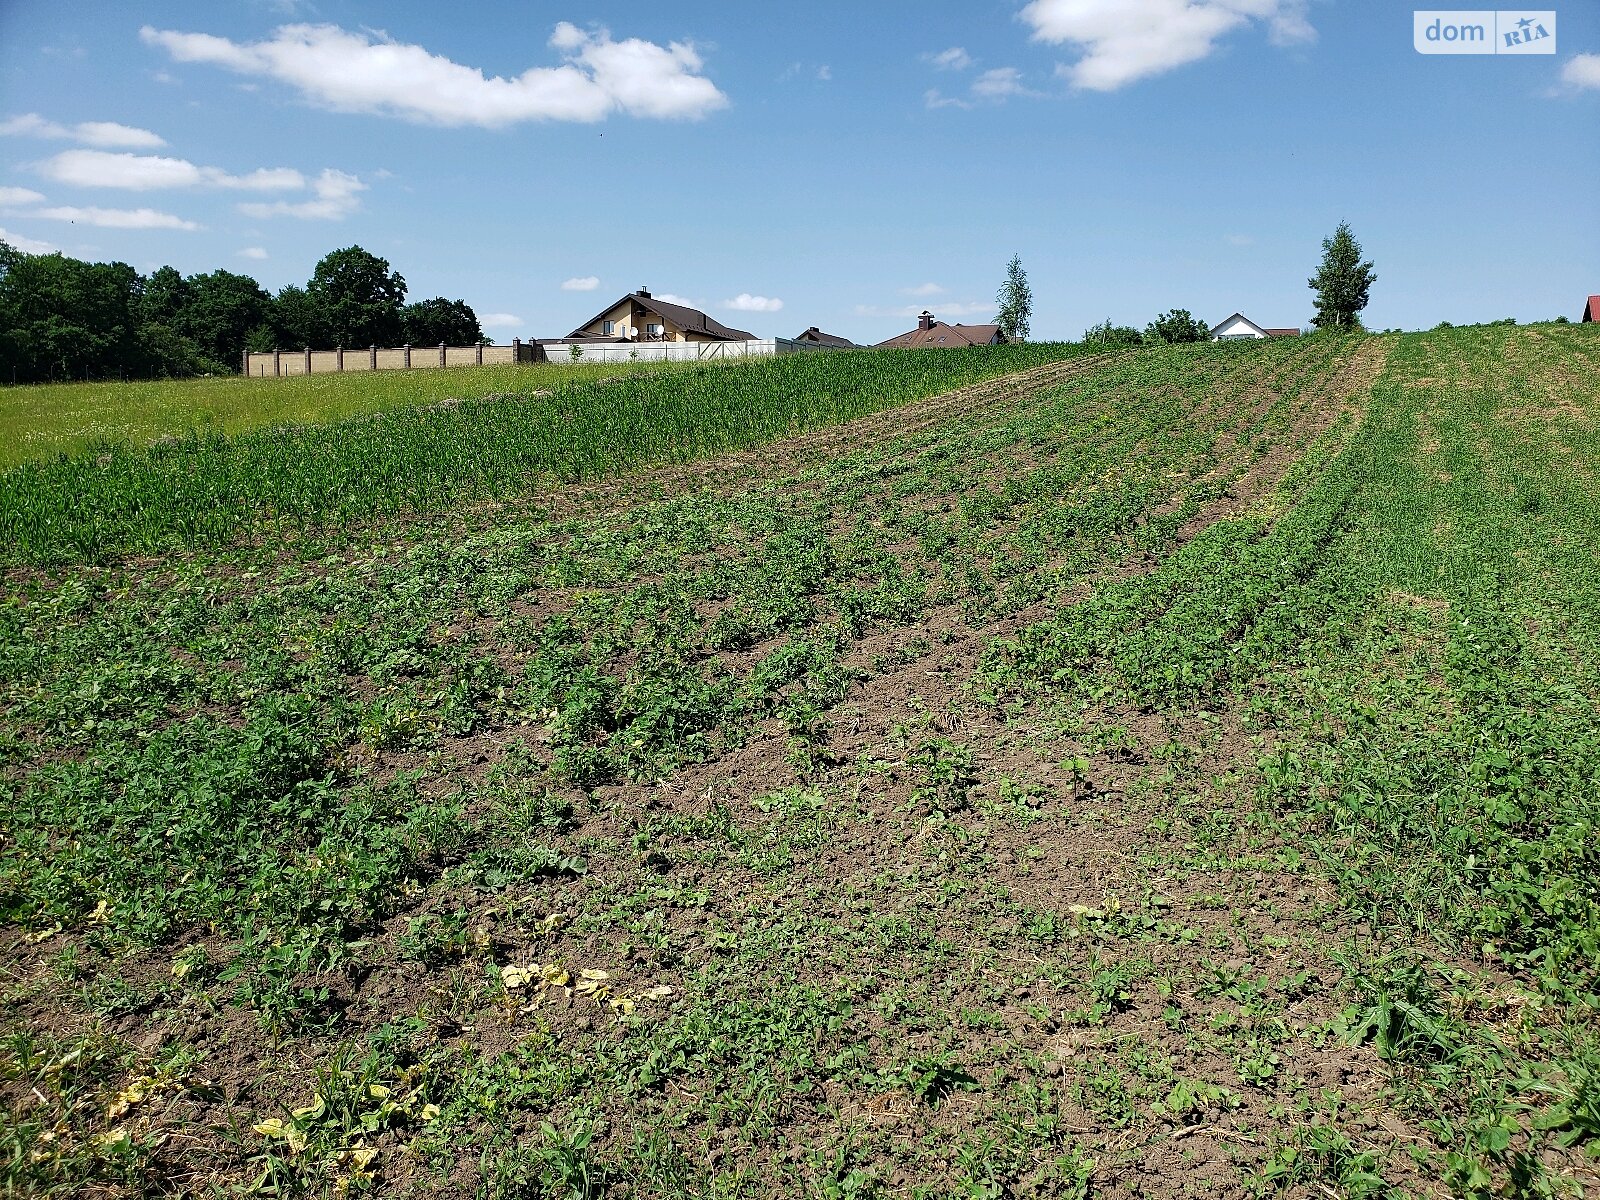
x,y
42,420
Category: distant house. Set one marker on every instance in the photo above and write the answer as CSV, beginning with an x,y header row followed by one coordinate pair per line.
x,y
1591,310
1239,327
936,333
815,337
640,317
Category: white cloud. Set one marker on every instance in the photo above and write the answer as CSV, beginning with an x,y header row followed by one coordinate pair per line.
x,y
923,289
999,83
669,298
90,133
13,197
499,321
27,245
1582,71
338,194
825,73
366,72
953,59
149,172
1127,40
255,252
580,283
945,311
117,218
745,302
933,98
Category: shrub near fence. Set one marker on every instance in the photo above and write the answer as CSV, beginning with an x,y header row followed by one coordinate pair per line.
x,y
375,358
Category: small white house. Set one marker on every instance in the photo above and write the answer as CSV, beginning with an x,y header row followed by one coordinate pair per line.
x,y
1239,328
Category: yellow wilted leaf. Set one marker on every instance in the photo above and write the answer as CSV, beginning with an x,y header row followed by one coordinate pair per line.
x,y
377,1091
312,1111
514,977
623,1005
114,1137
554,976
363,1157
660,992
272,1127
133,1094
101,914
429,1112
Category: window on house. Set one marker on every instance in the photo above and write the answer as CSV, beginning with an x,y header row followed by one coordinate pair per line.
x,y
654,330
608,327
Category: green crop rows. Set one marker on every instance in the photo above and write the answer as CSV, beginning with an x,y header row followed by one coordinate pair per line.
x,y
116,499
1185,763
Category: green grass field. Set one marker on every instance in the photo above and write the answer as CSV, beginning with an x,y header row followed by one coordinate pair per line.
x,y
45,420
1167,773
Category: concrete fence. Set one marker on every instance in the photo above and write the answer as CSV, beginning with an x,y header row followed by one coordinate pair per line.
x,y
612,352
376,358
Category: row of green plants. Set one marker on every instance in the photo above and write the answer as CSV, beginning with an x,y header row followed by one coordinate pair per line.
x,y
114,499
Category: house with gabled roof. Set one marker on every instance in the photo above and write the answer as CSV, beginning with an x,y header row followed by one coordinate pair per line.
x,y
1239,327
930,333
827,341
641,317
1591,310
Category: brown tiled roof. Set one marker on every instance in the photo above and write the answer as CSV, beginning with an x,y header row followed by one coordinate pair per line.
x,y
1283,332
940,334
823,339
1591,310
690,320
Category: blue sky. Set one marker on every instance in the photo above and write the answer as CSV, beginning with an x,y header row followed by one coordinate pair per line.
x,y
852,163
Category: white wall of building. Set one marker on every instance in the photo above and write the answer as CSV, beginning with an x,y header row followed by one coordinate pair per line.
x,y
673,351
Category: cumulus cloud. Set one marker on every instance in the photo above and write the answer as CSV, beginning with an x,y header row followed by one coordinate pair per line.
x,y
117,218
999,84
1582,71
1127,40
580,283
27,245
745,302
90,133
337,194
255,252
14,197
500,321
953,59
367,72
669,298
149,172
923,289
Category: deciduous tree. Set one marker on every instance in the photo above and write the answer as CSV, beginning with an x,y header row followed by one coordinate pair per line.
x,y
1015,299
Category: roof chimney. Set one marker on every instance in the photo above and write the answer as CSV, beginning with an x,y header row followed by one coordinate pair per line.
x,y
925,320
644,293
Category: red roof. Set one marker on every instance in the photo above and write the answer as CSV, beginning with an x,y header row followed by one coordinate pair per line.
x,y
1591,311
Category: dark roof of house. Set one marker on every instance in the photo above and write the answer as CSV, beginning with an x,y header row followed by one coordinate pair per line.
x,y
1283,332
1591,310
690,320
940,334
823,339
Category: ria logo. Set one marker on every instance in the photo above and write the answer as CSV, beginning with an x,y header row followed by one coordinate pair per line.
x,y
1479,31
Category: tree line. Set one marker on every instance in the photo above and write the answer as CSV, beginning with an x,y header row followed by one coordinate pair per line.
x,y
62,318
